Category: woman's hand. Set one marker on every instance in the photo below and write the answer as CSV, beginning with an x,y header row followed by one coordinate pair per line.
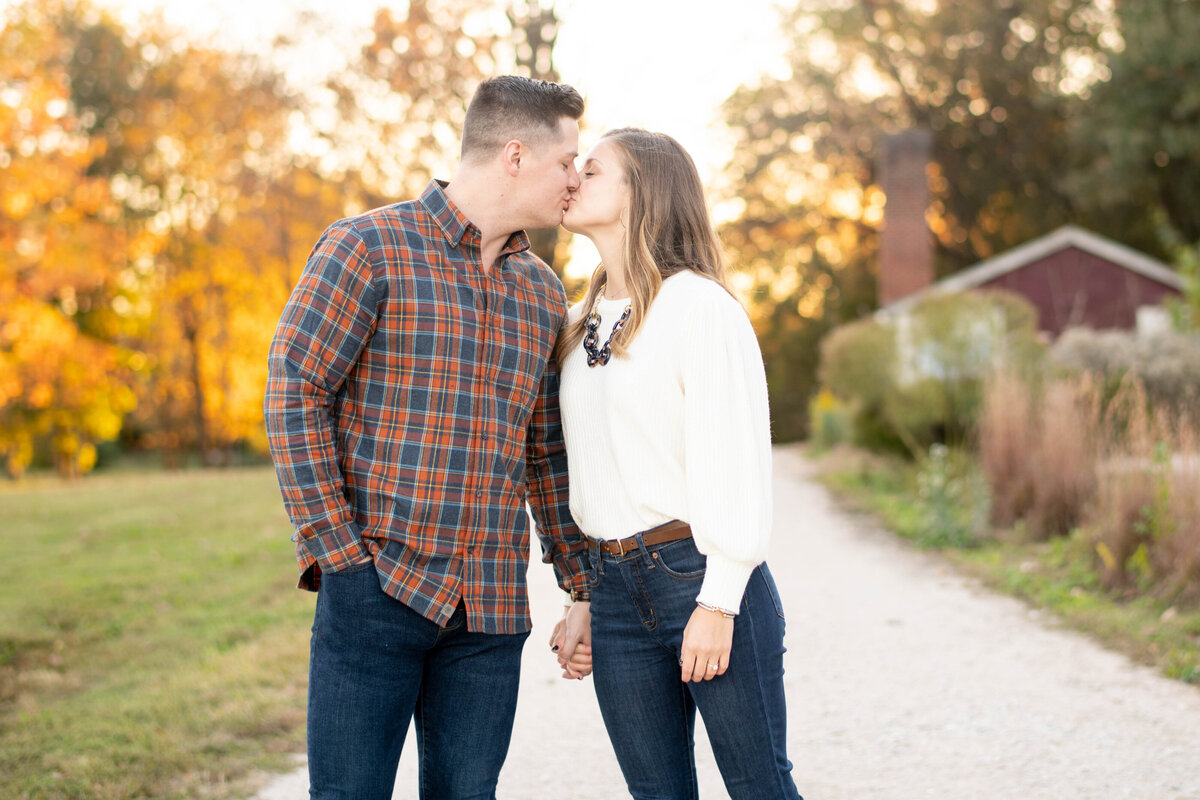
x,y
707,640
572,641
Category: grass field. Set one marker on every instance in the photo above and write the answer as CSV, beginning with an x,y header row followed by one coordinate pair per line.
x,y
152,643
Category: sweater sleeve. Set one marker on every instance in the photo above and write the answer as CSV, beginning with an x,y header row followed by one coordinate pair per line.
x,y
727,442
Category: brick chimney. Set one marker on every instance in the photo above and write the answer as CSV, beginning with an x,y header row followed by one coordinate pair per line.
x,y
905,243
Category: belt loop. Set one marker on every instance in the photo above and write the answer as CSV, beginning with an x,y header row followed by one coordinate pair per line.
x,y
641,544
595,554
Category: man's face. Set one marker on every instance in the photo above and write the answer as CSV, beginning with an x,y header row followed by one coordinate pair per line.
x,y
549,179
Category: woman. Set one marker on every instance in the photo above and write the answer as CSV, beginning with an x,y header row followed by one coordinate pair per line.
x,y
664,407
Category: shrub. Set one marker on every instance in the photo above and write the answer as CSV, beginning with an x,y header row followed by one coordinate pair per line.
x,y
916,379
954,498
1167,364
829,420
857,363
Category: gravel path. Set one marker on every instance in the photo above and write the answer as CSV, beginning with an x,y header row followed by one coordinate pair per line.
x,y
904,680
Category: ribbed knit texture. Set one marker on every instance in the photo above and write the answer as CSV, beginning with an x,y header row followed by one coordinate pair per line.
x,y
677,429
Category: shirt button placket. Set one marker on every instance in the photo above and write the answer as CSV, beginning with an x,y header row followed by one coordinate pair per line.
x,y
481,348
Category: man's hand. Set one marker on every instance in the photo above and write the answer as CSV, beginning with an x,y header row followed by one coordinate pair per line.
x,y
572,641
707,640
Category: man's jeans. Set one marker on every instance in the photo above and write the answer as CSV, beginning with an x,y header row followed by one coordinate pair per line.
x,y
641,603
374,664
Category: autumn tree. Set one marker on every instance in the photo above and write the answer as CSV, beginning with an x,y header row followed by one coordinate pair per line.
x,y
63,380
998,85
161,196
397,109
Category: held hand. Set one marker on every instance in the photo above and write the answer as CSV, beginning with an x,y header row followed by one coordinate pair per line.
x,y
707,640
556,636
580,665
572,641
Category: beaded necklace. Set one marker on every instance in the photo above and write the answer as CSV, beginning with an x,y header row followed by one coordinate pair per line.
x,y
598,357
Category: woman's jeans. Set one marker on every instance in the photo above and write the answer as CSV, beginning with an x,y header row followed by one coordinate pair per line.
x,y
641,602
374,664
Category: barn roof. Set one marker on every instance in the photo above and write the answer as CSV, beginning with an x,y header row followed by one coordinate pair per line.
x,y
1036,249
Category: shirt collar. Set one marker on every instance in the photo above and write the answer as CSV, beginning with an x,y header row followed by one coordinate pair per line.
x,y
454,224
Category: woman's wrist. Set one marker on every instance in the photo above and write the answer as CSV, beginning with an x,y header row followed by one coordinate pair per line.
x,y
724,612
725,582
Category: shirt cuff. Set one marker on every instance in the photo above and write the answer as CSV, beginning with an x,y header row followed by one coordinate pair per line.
x,y
337,549
724,583
571,571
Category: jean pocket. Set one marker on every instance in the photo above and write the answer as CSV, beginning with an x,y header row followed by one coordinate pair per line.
x,y
769,581
681,560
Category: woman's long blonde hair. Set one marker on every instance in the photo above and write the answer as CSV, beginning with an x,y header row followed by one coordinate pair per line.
x,y
668,230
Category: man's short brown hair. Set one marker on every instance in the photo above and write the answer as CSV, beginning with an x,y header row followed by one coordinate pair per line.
x,y
510,107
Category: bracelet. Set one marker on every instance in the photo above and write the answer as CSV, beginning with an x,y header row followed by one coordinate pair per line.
x,y
716,610
581,596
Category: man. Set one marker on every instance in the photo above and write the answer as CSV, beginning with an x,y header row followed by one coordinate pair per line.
x,y
411,411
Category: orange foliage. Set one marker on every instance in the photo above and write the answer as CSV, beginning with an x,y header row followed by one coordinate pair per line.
x,y
154,215
58,383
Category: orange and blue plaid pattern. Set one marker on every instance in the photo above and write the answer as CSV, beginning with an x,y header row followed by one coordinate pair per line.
x,y
412,409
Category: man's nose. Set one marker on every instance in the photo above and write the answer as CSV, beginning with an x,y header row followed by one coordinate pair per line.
x,y
573,179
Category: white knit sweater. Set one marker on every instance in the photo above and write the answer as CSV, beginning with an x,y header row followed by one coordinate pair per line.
x,y
677,429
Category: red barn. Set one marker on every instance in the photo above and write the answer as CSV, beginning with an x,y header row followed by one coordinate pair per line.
x,y
1072,277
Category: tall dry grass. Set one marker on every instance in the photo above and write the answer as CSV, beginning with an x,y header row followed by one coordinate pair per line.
x,y
1006,442
1180,550
1038,451
1146,524
1065,466
1058,457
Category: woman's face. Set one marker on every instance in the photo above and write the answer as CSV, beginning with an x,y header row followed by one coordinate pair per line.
x,y
601,203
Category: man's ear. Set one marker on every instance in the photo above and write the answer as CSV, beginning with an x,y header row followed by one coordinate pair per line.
x,y
514,151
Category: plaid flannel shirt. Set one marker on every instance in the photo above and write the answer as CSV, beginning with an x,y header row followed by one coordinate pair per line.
x,y
412,409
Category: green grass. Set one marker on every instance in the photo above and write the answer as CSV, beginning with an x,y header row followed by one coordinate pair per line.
x,y
1058,575
152,643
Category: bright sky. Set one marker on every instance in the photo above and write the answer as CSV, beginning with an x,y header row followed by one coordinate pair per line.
x,y
660,64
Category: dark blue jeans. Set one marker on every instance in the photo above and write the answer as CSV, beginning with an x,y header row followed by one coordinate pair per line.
x,y
641,603
374,664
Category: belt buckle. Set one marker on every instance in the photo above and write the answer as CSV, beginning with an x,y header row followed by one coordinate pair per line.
x,y
620,547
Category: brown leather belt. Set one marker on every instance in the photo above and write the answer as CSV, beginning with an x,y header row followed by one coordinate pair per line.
x,y
671,531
